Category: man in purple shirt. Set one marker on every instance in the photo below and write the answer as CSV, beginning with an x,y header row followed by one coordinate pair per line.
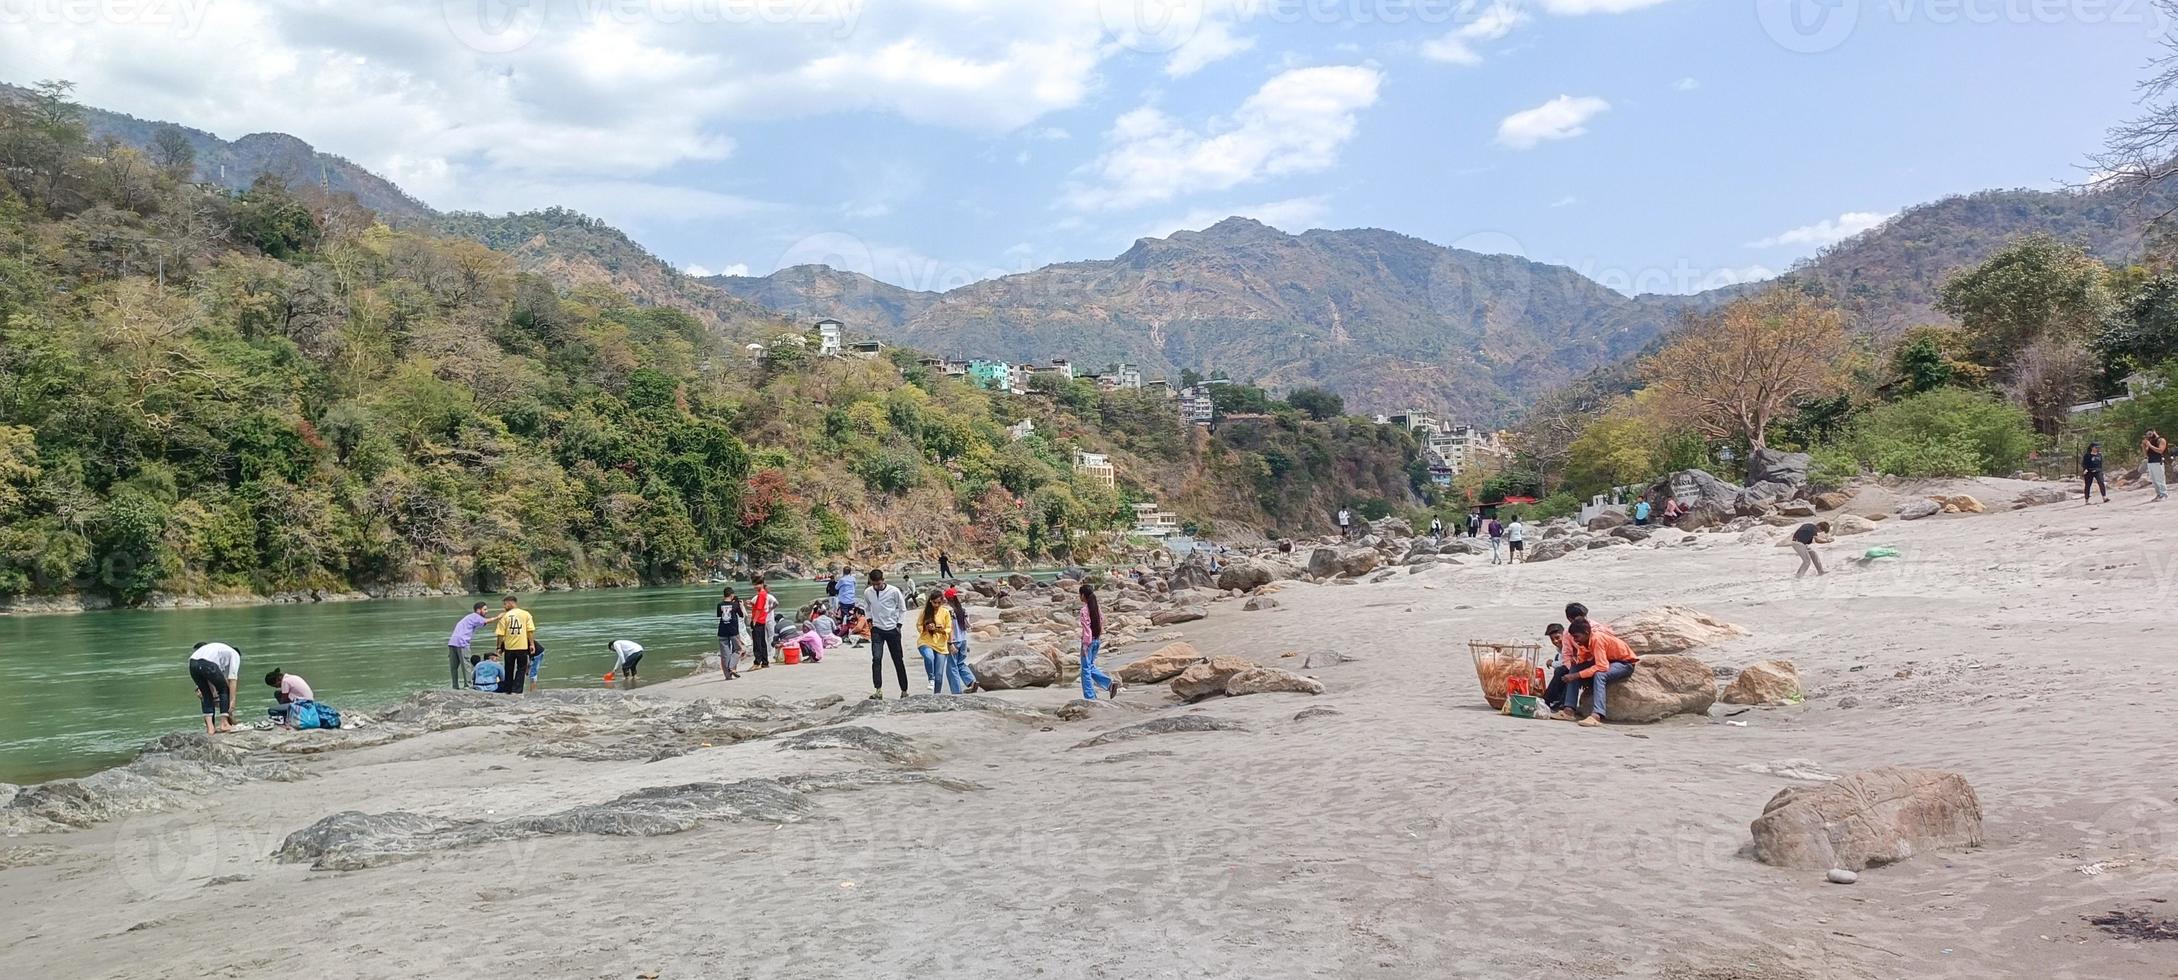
x,y
457,645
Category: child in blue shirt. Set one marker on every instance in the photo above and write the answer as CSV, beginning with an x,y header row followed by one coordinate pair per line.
x,y
489,673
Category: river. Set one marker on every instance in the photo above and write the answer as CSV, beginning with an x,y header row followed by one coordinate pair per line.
x,y
85,691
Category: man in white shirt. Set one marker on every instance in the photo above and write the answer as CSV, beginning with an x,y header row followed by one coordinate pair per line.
x,y
626,654
888,610
1516,535
1346,523
214,667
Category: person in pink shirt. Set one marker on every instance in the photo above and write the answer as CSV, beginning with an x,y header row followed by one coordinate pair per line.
x,y
287,689
1092,643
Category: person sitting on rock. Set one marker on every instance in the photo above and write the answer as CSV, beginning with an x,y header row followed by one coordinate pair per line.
x,y
1554,692
1598,659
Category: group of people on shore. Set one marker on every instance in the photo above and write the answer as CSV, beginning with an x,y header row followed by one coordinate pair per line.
x,y
882,615
216,669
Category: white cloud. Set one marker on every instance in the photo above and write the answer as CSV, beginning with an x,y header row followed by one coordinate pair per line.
x,y
1295,214
1458,47
1687,84
1828,231
421,89
1213,42
1561,118
1296,123
1577,8
1565,202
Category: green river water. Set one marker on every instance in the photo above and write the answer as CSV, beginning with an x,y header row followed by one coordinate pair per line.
x,y
84,692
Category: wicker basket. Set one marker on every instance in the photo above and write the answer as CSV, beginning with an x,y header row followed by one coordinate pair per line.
x,y
1496,663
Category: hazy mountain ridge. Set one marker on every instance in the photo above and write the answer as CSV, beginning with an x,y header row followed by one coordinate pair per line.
x,y
567,248
1388,320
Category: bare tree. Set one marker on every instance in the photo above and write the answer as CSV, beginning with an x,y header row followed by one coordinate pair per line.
x,y
1732,372
2143,151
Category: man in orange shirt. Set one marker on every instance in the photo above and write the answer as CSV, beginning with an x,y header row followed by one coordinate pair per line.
x,y
1598,659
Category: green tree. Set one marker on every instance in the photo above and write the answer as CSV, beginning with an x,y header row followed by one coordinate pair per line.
x,y
1319,404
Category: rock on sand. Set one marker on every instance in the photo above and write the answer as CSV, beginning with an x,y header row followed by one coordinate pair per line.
x,y
1868,819
1673,629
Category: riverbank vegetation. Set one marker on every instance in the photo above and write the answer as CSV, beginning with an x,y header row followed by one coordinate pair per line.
x,y
207,393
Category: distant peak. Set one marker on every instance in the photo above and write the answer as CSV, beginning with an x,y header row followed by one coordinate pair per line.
x,y
1237,225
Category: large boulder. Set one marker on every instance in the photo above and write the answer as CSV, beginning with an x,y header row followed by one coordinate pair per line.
x,y
1868,819
1164,665
1551,549
1270,680
1672,629
1914,510
1014,667
1845,524
1708,501
1247,576
1391,527
1610,517
1208,678
1833,500
1632,533
2039,496
1194,573
1661,687
1323,562
1359,562
1775,466
1768,682
1174,617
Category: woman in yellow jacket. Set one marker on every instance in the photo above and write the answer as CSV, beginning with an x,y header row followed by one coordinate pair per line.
x,y
934,637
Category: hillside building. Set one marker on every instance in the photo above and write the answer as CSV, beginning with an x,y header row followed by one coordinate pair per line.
x,y
1150,522
1096,466
831,337
1196,405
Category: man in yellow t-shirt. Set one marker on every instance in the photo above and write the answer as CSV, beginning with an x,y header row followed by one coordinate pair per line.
x,y
517,632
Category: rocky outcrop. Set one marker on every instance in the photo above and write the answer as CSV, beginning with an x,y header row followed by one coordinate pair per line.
x,y
1015,667
1161,666
1208,678
1246,576
1672,629
1914,510
1845,524
1768,682
1868,819
1774,466
1176,616
1661,687
1359,562
1270,680
1178,724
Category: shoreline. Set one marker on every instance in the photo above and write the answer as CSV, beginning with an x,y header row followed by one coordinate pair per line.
x,y
1273,834
78,603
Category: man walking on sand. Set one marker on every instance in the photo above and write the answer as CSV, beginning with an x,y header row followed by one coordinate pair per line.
x,y
1497,542
2155,450
1346,524
1803,544
888,612
2091,475
1516,534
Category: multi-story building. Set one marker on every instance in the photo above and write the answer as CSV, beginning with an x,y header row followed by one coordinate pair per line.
x,y
1096,466
831,337
1196,405
868,350
1150,522
994,375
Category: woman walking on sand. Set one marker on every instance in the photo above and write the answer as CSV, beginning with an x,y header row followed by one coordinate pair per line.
x,y
1092,643
934,640
2091,475
729,634
967,679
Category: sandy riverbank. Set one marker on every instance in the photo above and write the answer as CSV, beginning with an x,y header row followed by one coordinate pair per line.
x,y
1411,833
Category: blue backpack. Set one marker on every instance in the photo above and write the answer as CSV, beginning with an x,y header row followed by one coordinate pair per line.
x,y
310,714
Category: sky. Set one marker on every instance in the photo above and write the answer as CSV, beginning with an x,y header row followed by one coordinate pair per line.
x,y
1655,145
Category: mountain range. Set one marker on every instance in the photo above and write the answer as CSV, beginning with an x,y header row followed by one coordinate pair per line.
x,y
1389,321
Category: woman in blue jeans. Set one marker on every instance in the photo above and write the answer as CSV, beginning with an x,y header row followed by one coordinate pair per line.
x,y
1092,642
967,679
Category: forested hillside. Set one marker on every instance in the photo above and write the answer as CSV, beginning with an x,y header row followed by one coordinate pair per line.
x,y
216,393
